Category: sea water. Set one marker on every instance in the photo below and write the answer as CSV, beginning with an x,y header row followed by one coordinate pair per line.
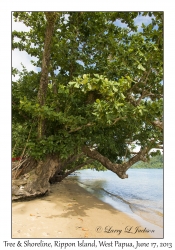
x,y
140,196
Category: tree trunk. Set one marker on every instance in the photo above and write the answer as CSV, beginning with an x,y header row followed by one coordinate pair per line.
x,y
33,178
51,18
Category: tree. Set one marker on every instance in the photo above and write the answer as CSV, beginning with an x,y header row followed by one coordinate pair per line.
x,y
155,162
98,95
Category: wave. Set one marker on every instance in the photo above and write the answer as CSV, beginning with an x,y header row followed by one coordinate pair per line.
x,y
131,198
142,208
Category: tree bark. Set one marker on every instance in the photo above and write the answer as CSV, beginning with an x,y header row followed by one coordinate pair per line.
x,y
58,178
34,181
158,124
32,178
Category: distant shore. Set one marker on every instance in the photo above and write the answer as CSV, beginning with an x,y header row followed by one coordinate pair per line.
x,y
69,211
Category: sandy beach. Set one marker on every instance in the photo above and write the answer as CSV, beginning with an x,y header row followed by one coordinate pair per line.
x,y
69,211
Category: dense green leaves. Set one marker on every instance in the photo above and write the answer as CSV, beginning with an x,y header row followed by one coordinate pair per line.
x,y
105,85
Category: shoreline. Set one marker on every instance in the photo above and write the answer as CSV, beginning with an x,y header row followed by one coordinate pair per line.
x,y
69,211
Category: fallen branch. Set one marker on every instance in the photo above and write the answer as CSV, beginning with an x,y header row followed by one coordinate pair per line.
x,y
19,165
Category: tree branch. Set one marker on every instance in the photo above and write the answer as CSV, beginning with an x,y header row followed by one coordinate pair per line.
x,y
42,92
76,168
71,159
81,127
130,98
119,169
158,124
118,119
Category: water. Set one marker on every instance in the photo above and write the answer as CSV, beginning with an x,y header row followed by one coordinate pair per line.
x,y
140,196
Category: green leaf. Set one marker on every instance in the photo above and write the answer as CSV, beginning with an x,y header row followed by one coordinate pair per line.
x,y
77,85
72,83
115,89
96,75
97,101
141,67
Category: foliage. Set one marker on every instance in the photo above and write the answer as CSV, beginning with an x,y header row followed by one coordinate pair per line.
x,y
154,162
104,85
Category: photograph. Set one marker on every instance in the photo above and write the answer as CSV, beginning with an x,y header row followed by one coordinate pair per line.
x,y
87,100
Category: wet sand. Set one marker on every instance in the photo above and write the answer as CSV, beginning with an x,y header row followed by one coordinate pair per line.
x,y
69,211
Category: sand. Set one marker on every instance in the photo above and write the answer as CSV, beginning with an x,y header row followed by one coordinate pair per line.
x,y
69,211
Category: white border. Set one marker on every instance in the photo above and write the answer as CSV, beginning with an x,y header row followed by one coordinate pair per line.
x,y
5,96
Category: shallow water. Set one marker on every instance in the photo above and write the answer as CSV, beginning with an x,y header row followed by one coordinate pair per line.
x,y
140,196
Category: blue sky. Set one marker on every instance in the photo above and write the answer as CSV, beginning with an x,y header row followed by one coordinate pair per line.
x,y
138,21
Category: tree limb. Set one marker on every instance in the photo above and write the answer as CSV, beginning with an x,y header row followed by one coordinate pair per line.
x,y
158,124
81,127
119,169
51,19
76,168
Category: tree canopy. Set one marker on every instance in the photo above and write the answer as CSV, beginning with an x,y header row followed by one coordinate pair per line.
x,y
98,93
